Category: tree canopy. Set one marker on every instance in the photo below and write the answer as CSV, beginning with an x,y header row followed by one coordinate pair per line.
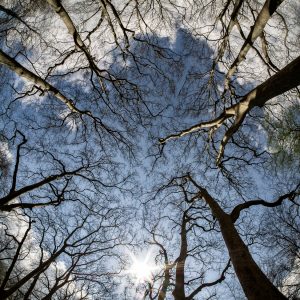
x,y
149,149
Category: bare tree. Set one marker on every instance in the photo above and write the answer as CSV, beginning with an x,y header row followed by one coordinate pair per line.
x,y
88,88
43,257
245,267
283,81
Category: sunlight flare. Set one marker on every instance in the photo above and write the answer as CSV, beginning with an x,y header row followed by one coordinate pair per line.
x,y
142,269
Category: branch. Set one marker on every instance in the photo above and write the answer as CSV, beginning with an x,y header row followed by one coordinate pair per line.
x,y
16,67
228,29
15,258
208,284
41,83
57,201
286,79
289,196
14,194
162,292
16,16
263,17
6,293
14,179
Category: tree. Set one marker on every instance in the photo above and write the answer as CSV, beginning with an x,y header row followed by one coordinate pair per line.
x,y
200,220
184,232
161,112
44,255
283,81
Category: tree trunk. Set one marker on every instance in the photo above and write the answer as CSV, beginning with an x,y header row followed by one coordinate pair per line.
x,y
265,14
12,64
179,292
253,281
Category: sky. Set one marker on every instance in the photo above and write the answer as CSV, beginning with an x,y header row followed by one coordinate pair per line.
x,y
159,85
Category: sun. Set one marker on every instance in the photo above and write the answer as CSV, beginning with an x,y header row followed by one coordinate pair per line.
x,y
142,269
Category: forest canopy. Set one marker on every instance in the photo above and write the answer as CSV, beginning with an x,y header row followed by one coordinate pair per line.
x,y
149,149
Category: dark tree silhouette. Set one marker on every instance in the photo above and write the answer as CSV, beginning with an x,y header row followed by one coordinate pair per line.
x,y
164,124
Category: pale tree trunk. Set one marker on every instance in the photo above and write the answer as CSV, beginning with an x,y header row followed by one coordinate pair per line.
x,y
35,79
265,14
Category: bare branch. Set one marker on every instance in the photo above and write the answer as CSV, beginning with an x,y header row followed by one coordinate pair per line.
x,y
281,82
208,284
289,196
265,14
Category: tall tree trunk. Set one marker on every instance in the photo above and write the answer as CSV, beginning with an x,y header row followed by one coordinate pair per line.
x,y
179,292
263,17
253,281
